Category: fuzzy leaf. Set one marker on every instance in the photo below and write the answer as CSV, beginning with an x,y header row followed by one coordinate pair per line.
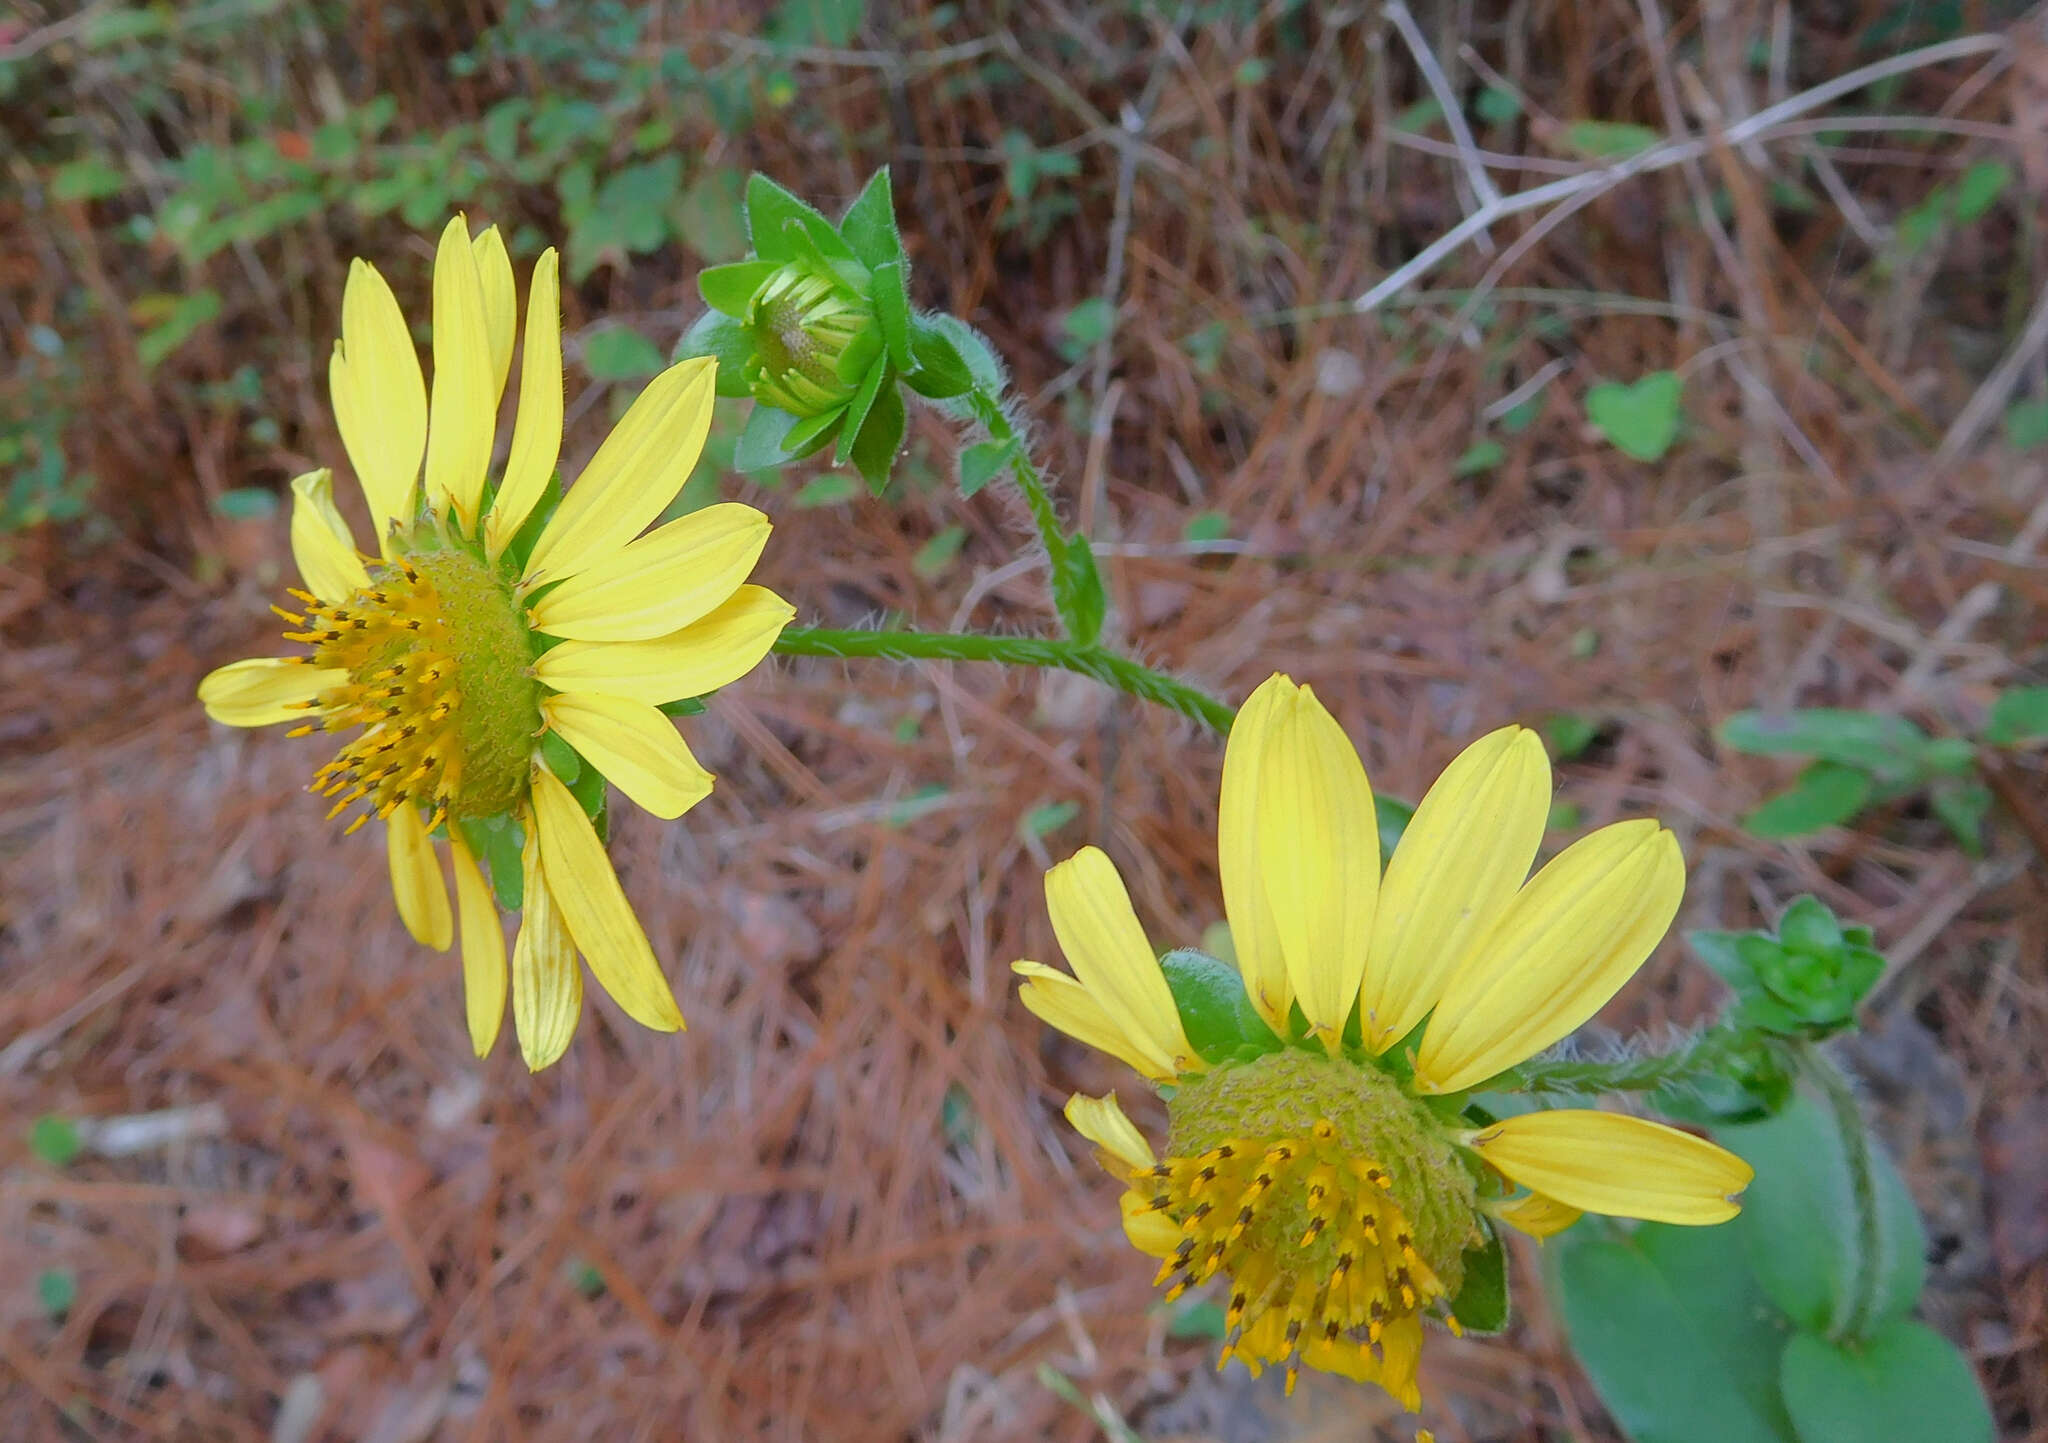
x,y
869,225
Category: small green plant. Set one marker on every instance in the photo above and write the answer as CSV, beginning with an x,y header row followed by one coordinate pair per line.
x,y
1863,759
1639,419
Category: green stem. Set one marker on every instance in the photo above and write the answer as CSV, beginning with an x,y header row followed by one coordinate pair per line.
x,y
1105,666
989,411
1702,1057
1859,1313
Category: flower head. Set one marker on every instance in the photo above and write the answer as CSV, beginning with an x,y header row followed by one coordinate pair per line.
x,y
1321,1155
508,648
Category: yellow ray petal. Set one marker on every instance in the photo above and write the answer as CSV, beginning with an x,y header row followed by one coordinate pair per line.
x,y
416,880
672,576
634,475
321,545
635,746
265,690
547,985
1092,917
1059,1001
1566,944
380,399
501,304
1602,1162
1462,855
586,889
700,658
1252,930
465,410
1151,1232
1101,1120
483,952
1533,1213
537,433
1319,855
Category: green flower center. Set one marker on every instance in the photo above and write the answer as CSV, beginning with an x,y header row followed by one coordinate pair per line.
x,y
813,341
440,666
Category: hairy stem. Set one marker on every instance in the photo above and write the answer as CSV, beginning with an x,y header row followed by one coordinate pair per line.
x,y
1857,1313
1088,659
1703,1056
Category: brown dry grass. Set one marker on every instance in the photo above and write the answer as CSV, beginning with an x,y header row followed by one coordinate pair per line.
x,y
796,1233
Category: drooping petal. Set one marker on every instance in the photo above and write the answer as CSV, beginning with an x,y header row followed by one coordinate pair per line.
x,y
1150,1231
1059,1001
1252,930
547,985
580,879
635,746
501,304
416,879
699,658
537,433
672,576
465,410
1625,1167
380,398
1319,855
1099,932
1101,1120
1462,855
1538,1216
265,690
483,951
1566,944
321,545
634,475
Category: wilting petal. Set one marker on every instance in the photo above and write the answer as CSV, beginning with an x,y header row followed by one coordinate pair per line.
x,y
416,879
547,985
1101,1120
265,690
483,952
501,304
580,879
1092,917
1603,1162
380,399
537,433
634,475
1568,941
635,746
1058,1000
1319,855
1538,1216
672,576
700,658
1252,931
465,410
1462,855
321,545
1151,1232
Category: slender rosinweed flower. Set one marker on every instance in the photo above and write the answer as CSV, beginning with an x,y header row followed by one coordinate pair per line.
x,y
1322,1155
508,642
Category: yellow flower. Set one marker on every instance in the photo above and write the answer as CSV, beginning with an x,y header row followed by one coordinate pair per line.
x,y
504,645
1318,1156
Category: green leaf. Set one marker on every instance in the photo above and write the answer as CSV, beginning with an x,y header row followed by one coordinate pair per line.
x,y
869,225
941,370
87,178
1479,456
828,490
726,341
890,291
561,758
730,288
771,210
1077,590
711,215
1496,106
1084,326
619,353
1215,1011
1569,735
1673,1332
1044,821
1905,1385
2020,715
857,409
1826,795
937,554
1889,747
880,438
1962,807
1809,925
1393,816
2026,424
984,368
981,461
812,432
759,447
183,317
56,1290
1979,188
54,1139
1482,1302
1608,139
1199,1318
246,503
1798,1219
1206,526
1639,418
